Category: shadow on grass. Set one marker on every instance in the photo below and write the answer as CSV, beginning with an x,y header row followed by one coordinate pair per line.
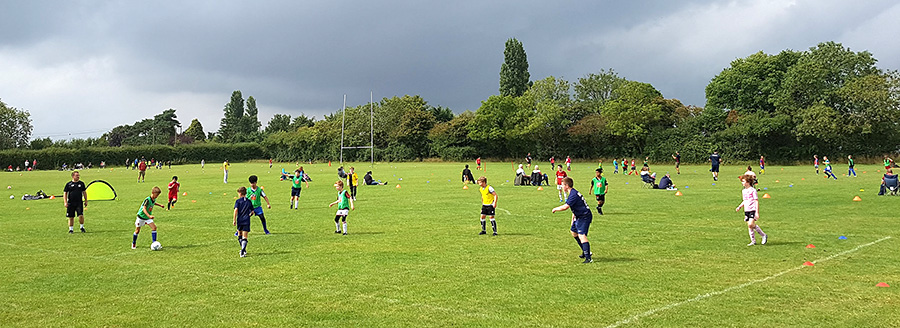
x,y
614,259
516,234
783,243
272,253
187,246
367,233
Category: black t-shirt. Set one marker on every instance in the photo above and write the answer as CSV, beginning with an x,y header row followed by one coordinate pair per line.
x,y
714,159
466,172
368,178
75,191
678,158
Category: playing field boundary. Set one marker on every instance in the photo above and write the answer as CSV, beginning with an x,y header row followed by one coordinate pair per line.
x,y
737,287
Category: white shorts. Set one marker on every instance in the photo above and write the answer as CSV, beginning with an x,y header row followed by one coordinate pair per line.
x,y
559,187
141,222
343,212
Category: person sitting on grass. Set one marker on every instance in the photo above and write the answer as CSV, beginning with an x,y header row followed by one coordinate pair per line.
x,y
666,183
371,182
536,177
467,175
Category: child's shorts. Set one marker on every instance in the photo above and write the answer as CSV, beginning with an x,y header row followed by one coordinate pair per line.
x,y
749,215
343,212
559,187
141,222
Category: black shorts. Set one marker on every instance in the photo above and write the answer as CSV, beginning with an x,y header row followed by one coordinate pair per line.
x,y
715,168
749,215
600,198
677,164
295,192
487,210
74,210
244,227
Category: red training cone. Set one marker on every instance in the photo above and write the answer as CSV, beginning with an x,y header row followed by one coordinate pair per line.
x,y
808,263
810,246
881,284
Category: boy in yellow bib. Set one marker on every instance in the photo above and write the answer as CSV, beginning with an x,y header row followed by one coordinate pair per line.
x,y
488,204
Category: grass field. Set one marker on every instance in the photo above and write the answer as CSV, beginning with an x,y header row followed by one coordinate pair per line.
x,y
413,256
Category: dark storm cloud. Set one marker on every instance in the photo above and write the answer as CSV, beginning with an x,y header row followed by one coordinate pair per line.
x,y
132,59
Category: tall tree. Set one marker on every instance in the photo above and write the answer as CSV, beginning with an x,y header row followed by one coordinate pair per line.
x,y
514,76
15,127
251,120
596,89
195,130
303,121
230,127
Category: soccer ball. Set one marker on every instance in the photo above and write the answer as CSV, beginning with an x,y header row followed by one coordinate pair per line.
x,y
155,246
12,196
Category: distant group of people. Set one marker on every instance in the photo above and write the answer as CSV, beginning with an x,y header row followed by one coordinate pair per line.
x,y
29,166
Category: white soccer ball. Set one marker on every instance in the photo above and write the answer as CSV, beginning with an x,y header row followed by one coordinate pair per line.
x,y
155,246
12,196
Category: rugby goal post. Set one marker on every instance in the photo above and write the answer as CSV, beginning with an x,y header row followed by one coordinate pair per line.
x,y
371,129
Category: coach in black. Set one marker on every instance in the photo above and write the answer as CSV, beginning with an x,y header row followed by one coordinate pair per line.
x,y
75,198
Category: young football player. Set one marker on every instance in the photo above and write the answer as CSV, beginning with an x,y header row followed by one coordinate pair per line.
x,y
488,205
751,209
174,185
560,175
581,219
296,179
254,194
242,212
145,216
599,188
345,204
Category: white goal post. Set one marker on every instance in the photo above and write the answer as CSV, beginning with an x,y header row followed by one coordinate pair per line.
x,y
371,129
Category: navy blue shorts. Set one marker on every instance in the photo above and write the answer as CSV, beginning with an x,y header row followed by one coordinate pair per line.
x,y
258,211
715,168
244,227
581,226
295,192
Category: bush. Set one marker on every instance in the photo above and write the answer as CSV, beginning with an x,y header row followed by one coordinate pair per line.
x,y
53,158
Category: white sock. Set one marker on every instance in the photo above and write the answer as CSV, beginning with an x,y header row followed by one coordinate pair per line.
x,y
70,228
82,226
337,226
345,227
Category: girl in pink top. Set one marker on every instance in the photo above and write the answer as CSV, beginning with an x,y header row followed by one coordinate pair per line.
x,y
751,209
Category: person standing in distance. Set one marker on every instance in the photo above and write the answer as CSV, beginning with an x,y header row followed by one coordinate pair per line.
x,y
225,167
75,199
488,205
677,158
714,161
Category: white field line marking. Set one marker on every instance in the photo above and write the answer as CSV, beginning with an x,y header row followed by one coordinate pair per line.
x,y
505,210
733,288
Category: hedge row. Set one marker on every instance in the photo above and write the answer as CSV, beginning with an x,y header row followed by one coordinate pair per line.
x,y
53,158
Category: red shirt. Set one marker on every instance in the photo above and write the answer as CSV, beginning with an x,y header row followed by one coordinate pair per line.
x,y
568,160
559,176
478,161
142,166
173,188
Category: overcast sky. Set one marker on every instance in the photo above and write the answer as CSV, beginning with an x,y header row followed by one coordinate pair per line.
x,y
82,67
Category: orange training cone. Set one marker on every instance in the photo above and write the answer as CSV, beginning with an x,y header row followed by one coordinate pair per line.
x,y
184,193
540,188
857,199
881,284
777,181
52,197
329,163
766,196
810,246
808,263
678,193
398,186
193,201
465,187
804,179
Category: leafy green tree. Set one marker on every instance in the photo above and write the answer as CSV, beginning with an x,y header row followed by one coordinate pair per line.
x,y
596,89
496,126
231,125
40,143
302,121
514,76
195,131
633,112
413,131
251,123
279,122
441,114
750,84
549,110
820,72
450,140
15,127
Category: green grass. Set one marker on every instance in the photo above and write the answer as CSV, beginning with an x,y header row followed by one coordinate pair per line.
x,y
413,256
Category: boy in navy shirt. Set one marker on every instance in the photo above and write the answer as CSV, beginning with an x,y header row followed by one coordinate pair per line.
x,y
581,218
242,212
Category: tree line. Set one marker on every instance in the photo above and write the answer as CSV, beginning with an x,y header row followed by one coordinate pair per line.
x,y
786,106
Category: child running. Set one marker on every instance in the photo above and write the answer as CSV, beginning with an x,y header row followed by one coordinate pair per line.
x,y
816,163
345,204
677,158
751,209
581,219
851,170
242,212
568,163
296,179
488,205
560,175
762,164
254,194
616,165
633,168
145,216
828,171
173,192
599,187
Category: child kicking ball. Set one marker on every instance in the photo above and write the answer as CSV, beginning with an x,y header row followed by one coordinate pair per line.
x,y
145,216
